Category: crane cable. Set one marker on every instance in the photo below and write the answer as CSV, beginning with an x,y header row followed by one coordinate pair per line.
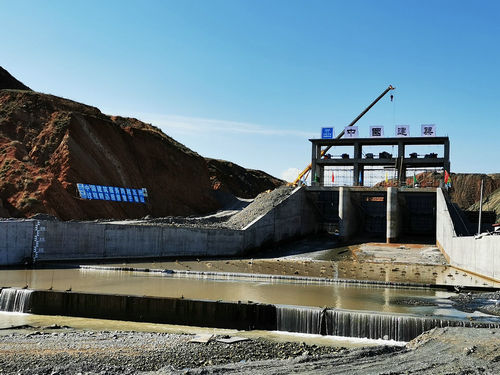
x,y
393,110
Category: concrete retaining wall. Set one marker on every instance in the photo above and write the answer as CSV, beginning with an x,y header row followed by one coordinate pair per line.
x,y
294,217
70,240
480,256
55,240
16,241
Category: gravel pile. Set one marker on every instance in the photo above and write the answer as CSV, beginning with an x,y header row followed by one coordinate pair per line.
x,y
181,221
91,352
262,204
488,303
238,216
458,351
232,219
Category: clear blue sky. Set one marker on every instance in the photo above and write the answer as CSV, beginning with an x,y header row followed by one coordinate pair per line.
x,y
251,81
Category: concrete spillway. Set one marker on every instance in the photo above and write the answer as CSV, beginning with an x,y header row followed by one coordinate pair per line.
x,y
235,315
336,322
15,300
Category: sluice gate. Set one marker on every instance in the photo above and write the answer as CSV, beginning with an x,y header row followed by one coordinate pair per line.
x,y
378,214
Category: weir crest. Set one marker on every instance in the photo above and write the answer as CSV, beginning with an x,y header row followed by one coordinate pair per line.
x,y
371,325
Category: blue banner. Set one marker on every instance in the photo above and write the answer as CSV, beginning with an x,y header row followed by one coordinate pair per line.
x,y
112,193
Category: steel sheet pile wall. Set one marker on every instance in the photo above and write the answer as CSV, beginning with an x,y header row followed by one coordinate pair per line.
x,y
244,316
363,324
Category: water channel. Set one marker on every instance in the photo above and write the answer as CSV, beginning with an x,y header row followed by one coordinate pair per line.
x,y
419,301
314,290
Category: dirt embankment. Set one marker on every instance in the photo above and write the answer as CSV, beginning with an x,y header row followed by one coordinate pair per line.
x,y
466,187
244,183
490,203
49,144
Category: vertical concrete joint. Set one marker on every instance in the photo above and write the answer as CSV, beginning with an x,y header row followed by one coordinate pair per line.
x,y
347,222
393,225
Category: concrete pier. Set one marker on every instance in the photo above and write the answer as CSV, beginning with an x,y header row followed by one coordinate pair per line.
x,y
393,220
347,215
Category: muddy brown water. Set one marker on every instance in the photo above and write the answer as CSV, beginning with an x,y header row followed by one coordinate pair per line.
x,y
419,301
342,269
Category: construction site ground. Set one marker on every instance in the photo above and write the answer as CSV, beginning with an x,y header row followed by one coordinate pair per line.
x,y
64,350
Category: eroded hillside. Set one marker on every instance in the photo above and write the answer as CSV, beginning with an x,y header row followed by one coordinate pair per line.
x,y
48,144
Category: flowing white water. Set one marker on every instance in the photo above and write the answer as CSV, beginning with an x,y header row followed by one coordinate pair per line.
x,y
362,324
300,319
15,300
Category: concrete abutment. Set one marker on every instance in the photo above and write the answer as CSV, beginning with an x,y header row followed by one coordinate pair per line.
x,y
30,240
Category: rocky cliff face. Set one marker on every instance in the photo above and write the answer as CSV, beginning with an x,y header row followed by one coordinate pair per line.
x,y
49,144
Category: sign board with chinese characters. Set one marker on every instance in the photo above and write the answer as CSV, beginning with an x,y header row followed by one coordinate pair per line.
x,y
402,130
428,130
376,131
112,193
327,133
351,132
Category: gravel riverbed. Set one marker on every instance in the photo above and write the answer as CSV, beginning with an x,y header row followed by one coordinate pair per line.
x,y
488,303
68,351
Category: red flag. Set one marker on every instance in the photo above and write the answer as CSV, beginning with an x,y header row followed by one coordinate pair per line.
x,y
333,178
446,176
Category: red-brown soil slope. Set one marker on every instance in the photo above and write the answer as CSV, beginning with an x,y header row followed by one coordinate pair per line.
x,y
466,187
491,202
244,183
48,144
